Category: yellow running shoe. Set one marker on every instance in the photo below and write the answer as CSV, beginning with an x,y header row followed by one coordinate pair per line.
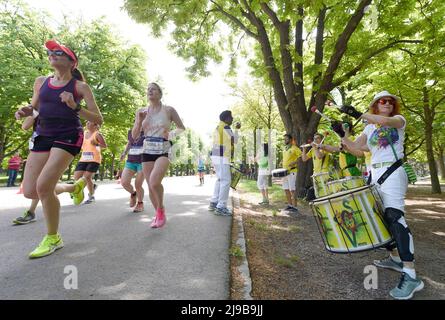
x,y
49,244
78,194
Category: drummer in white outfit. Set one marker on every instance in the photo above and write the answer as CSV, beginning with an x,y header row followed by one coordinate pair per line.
x,y
384,137
224,140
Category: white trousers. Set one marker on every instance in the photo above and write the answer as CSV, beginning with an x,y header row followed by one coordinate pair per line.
x,y
222,185
262,182
393,190
289,181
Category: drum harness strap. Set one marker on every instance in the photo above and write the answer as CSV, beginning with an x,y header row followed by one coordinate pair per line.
x,y
389,171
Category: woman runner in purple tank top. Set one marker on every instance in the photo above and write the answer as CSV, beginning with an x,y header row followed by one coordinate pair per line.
x,y
59,139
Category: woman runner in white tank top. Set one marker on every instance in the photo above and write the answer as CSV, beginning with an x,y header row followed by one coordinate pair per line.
x,y
155,120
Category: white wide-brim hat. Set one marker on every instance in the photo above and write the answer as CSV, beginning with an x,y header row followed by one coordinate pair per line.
x,y
382,94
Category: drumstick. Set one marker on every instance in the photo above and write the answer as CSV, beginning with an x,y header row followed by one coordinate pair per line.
x,y
314,109
332,104
309,144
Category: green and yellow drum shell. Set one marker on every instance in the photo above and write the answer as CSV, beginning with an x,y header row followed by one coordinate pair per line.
x,y
352,221
320,181
345,184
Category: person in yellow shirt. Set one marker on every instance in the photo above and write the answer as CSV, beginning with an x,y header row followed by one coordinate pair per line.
x,y
321,159
222,155
290,159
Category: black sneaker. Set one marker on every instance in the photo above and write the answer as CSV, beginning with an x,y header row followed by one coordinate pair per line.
x,y
27,217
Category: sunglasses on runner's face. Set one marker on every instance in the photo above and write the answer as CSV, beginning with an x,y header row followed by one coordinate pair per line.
x,y
58,53
384,101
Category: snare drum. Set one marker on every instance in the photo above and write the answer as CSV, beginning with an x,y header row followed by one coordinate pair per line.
x,y
320,181
352,221
345,184
235,177
279,173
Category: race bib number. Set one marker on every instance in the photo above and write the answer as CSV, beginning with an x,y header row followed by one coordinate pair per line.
x,y
87,156
135,151
155,145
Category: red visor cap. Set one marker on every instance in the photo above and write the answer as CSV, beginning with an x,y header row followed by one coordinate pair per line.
x,y
54,45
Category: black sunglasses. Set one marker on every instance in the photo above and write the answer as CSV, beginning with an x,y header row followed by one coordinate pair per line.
x,y
56,53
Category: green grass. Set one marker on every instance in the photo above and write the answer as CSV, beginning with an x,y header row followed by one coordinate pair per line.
x,y
259,226
276,193
236,252
275,212
284,262
294,228
287,262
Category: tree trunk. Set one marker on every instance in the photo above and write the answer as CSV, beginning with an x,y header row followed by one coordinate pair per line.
x,y
102,169
435,184
2,143
112,166
440,160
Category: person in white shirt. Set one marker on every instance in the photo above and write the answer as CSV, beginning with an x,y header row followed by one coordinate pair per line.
x,y
384,137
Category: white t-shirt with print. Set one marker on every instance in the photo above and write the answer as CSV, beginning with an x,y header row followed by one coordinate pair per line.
x,y
378,142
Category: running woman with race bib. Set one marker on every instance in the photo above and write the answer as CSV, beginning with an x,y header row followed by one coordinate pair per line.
x,y
133,166
90,159
59,136
155,120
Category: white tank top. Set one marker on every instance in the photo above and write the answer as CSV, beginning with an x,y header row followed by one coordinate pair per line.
x,y
156,124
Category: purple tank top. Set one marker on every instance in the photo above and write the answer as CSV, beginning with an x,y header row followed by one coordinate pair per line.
x,y
55,117
135,148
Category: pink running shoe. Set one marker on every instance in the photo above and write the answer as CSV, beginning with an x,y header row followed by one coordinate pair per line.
x,y
154,221
161,219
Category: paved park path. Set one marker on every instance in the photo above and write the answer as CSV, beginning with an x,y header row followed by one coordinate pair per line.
x,y
116,253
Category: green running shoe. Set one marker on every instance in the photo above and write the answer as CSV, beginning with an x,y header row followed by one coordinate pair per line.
x,y
48,245
78,194
406,287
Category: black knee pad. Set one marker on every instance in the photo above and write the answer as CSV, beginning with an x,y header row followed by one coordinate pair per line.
x,y
392,215
391,246
402,235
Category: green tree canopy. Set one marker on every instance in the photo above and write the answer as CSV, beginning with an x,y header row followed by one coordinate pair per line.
x,y
113,68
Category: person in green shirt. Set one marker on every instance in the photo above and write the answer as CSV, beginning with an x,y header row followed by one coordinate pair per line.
x,y
347,158
291,153
263,173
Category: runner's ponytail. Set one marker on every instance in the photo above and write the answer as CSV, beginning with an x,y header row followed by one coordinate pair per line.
x,y
77,75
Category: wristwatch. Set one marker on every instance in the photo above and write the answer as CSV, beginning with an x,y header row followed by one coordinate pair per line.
x,y
78,108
